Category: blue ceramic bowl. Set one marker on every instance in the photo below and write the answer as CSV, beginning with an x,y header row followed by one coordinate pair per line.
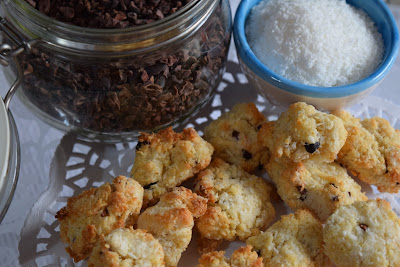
x,y
282,91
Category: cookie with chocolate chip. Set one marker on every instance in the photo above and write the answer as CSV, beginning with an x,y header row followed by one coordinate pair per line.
x,y
239,204
314,185
302,132
98,211
166,159
388,140
295,240
362,154
234,136
127,247
363,234
171,221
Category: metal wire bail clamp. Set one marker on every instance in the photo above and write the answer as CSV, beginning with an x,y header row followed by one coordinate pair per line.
x,y
9,52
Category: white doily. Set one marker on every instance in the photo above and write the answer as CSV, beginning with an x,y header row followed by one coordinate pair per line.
x,y
79,165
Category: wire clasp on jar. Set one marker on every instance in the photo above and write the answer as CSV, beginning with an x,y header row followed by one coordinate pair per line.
x,y
9,52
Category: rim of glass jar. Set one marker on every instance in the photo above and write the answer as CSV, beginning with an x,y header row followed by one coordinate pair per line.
x,y
132,40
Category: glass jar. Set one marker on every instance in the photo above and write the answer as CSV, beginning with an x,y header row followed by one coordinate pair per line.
x,y
111,84
9,156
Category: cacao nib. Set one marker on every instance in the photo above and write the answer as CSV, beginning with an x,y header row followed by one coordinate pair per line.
x,y
303,192
105,213
149,185
332,184
363,226
140,144
246,154
235,134
103,14
311,148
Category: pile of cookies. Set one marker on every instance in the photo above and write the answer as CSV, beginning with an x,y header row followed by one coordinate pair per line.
x,y
148,219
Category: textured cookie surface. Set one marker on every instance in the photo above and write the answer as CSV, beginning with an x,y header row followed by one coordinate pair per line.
x,y
127,247
166,159
317,186
171,221
238,203
242,257
363,234
302,132
98,211
295,240
361,154
389,145
234,136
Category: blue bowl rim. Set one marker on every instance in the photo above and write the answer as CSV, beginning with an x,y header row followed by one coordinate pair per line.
x,y
248,57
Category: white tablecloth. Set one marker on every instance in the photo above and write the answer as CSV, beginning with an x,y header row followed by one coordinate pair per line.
x,y
56,165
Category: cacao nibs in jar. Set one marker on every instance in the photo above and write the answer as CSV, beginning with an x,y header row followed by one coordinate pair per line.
x,y
133,95
107,14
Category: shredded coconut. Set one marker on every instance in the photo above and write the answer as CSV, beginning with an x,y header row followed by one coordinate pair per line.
x,y
315,42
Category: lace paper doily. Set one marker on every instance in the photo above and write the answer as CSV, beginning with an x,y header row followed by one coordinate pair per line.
x,y
79,165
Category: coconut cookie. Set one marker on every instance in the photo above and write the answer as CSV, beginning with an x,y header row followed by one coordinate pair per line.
x,y
127,247
363,234
389,145
98,211
166,159
171,221
242,257
239,204
317,186
302,132
295,240
234,136
361,153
